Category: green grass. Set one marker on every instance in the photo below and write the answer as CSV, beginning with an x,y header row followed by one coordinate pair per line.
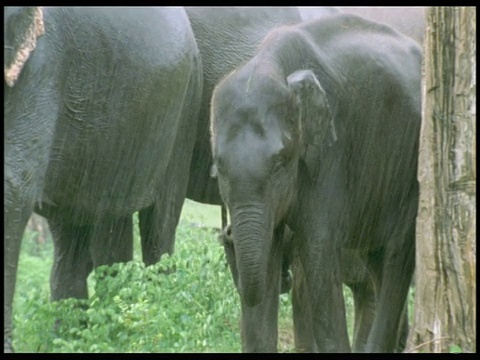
x,y
194,309
204,215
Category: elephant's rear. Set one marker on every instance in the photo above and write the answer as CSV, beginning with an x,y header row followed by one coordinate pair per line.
x,y
100,115
134,78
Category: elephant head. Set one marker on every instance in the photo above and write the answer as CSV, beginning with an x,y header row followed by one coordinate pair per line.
x,y
264,125
22,28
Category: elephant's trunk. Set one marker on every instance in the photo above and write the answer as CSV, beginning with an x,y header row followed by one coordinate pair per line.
x,y
252,235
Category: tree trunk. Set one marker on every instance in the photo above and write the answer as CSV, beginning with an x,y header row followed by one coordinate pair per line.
x,y
445,301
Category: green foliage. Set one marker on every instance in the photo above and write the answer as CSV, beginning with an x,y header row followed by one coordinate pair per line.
x,y
135,309
455,349
132,308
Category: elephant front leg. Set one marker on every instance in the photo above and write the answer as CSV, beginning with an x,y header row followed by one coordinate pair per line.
x,y
325,292
302,311
259,325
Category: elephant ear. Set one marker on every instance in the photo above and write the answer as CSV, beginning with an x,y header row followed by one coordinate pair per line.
x,y
21,32
316,122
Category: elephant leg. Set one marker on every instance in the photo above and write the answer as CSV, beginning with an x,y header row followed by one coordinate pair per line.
x,y
259,325
396,271
14,222
112,241
72,262
302,312
80,248
358,279
325,292
364,300
154,244
403,330
159,221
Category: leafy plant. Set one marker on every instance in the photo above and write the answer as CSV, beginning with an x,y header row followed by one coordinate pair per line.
x,y
133,308
455,349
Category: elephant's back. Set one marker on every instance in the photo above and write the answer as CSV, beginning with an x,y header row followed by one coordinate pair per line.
x,y
378,115
227,37
139,36
125,76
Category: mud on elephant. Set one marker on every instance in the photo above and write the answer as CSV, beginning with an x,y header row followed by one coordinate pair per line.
x,y
101,109
319,131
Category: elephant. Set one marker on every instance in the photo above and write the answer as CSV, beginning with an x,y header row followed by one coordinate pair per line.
x,y
226,37
409,21
354,274
319,131
101,113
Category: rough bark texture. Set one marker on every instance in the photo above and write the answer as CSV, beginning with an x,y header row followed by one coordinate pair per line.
x,y
445,302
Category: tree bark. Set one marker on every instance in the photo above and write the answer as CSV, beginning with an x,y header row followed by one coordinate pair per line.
x,y
445,301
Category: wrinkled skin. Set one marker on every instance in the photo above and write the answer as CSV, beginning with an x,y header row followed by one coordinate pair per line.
x,y
319,131
408,20
354,274
226,37
100,123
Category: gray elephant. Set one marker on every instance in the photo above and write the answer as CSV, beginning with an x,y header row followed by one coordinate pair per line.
x,y
319,131
354,274
408,20
226,37
101,109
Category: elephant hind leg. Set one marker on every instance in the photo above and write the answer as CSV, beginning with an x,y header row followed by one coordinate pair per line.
x,y
72,262
364,300
394,274
112,241
358,279
80,248
403,330
159,221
